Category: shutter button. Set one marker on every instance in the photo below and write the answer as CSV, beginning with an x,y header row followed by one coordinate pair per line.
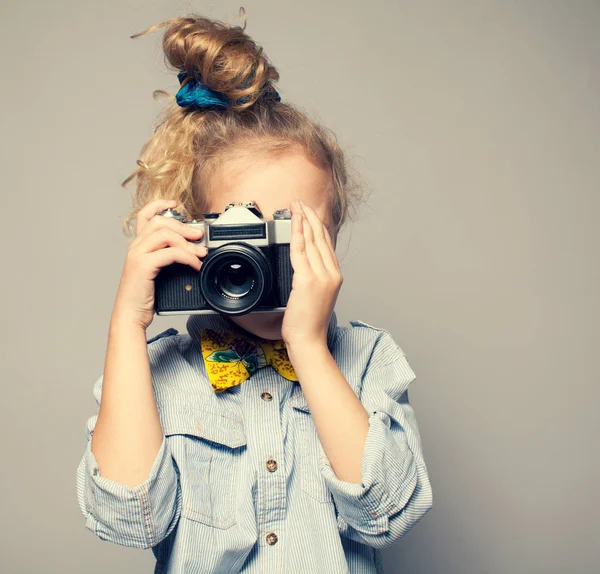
x,y
271,538
271,465
266,396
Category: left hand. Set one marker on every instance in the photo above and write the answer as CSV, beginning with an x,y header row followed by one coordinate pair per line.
x,y
316,281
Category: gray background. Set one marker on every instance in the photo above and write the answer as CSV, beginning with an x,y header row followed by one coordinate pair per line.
x,y
477,124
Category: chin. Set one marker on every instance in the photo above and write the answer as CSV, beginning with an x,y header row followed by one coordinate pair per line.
x,y
265,325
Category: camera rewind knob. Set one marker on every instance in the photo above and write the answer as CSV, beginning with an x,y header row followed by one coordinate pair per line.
x,y
170,212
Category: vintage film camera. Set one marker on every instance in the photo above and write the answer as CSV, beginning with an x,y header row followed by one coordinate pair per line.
x,y
247,268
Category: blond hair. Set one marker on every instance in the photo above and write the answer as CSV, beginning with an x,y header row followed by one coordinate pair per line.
x,y
189,144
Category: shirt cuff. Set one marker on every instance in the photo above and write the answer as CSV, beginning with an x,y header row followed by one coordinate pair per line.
x,y
139,516
388,479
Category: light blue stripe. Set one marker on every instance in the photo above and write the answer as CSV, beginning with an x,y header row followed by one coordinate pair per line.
x,y
209,500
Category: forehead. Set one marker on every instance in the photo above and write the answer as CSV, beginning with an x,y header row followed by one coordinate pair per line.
x,y
272,182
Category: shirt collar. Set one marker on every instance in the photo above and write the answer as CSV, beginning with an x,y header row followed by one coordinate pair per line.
x,y
220,322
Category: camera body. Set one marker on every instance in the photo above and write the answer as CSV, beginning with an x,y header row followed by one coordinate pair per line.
x,y
247,267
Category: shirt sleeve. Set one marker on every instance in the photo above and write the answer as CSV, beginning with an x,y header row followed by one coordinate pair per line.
x,y
139,516
395,491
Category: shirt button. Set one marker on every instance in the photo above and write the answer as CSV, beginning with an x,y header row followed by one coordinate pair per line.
x,y
271,538
266,396
271,465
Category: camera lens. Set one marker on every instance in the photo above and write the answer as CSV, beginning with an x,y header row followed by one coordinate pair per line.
x,y
234,278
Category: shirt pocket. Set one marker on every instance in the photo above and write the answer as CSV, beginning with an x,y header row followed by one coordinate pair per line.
x,y
213,444
309,453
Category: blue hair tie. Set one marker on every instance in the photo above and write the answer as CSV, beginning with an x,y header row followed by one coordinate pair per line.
x,y
197,93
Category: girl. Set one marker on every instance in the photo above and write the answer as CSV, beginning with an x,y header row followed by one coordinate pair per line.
x,y
266,442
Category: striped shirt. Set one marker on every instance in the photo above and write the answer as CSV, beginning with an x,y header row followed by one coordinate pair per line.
x,y
241,482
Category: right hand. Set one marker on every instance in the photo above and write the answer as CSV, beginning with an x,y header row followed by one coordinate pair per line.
x,y
158,242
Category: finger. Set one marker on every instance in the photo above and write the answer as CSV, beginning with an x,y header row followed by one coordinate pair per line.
x,y
298,256
325,242
314,245
166,237
150,210
191,232
163,257
331,246
322,237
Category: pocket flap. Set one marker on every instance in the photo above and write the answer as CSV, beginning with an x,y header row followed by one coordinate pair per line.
x,y
298,400
221,426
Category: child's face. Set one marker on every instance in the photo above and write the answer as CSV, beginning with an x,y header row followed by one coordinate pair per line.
x,y
272,183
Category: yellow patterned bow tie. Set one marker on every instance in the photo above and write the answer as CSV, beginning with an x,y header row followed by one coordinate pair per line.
x,y
231,357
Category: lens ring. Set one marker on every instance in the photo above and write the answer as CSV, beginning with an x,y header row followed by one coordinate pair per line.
x,y
234,279
236,253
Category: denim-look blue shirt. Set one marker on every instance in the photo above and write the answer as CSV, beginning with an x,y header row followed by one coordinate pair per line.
x,y
241,482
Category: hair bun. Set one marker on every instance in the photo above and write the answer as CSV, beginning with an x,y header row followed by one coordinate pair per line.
x,y
224,57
